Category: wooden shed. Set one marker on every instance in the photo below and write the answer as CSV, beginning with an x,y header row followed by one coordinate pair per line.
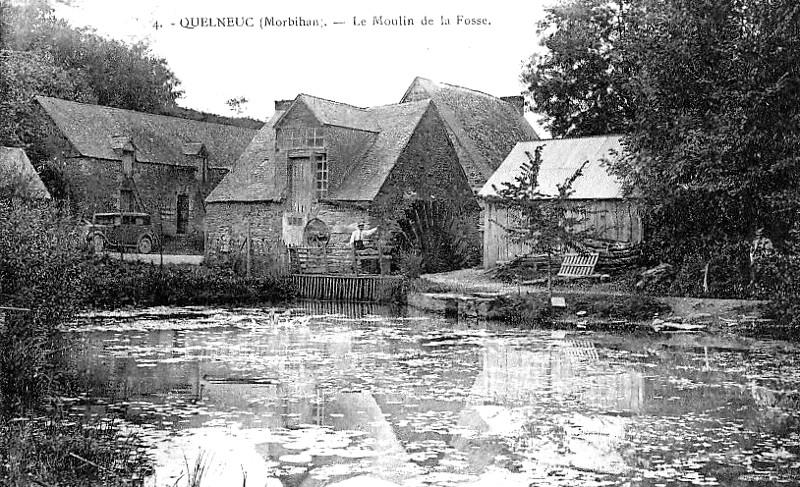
x,y
614,218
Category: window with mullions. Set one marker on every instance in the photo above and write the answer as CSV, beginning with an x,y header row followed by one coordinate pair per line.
x,y
301,137
322,175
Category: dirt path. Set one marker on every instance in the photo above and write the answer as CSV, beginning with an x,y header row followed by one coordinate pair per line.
x,y
182,259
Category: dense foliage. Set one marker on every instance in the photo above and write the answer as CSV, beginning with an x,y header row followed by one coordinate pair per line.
x,y
41,54
112,283
580,82
706,93
41,269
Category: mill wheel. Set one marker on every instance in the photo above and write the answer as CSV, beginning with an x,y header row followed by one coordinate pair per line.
x,y
445,237
98,243
145,245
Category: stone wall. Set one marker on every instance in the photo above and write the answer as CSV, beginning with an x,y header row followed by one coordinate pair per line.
x,y
98,183
227,228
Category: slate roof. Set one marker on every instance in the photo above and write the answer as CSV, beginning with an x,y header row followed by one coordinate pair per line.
x,y
93,130
253,176
339,114
560,159
482,127
14,163
396,124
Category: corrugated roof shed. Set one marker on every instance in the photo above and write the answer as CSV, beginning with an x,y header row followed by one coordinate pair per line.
x,y
15,166
483,128
560,159
396,124
92,130
253,176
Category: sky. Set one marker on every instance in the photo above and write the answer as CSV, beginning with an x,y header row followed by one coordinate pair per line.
x,y
363,65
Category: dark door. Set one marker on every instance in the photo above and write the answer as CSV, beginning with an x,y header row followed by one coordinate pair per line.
x,y
183,213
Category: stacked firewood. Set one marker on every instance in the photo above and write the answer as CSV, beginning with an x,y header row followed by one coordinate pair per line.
x,y
617,258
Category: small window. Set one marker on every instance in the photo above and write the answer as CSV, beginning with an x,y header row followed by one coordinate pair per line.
x,y
321,176
300,138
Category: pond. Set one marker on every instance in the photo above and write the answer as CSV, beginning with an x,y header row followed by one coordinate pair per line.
x,y
319,395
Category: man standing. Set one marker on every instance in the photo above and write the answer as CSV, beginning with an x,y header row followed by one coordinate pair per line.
x,y
357,237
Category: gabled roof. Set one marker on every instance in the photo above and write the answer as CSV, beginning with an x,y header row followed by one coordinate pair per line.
x,y
396,124
560,159
16,168
482,127
253,176
95,131
330,112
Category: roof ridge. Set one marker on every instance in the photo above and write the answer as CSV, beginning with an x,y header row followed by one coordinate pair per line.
x,y
459,87
574,137
332,101
128,110
400,105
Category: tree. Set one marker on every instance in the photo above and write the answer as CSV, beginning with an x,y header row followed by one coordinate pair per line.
x,y
714,143
549,224
580,83
705,92
237,104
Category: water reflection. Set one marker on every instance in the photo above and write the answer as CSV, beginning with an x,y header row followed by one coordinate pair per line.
x,y
315,396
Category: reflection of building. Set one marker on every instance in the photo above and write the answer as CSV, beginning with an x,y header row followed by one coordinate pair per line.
x,y
571,369
551,404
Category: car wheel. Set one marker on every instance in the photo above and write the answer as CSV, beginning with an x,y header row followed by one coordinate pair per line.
x,y
98,243
145,245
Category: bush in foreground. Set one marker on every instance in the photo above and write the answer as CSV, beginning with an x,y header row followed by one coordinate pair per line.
x,y
49,452
112,284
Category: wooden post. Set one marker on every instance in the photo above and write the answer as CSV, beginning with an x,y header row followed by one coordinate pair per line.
x,y
355,261
248,248
325,258
380,258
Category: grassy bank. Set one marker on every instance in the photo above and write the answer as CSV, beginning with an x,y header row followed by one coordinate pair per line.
x,y
529,310
111,283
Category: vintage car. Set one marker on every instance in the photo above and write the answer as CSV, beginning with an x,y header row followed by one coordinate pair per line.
x,y
126,230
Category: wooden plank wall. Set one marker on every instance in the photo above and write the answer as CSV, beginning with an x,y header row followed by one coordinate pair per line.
x,y
614,220
347,288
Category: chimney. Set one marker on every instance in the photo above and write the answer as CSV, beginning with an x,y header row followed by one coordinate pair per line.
x,y
282,105
516,101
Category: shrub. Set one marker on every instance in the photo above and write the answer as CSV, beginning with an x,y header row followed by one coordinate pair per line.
x,y
52,452
41,269
777,279
112,283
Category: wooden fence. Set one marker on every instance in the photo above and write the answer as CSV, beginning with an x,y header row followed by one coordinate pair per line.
x,y
347,288
340,260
